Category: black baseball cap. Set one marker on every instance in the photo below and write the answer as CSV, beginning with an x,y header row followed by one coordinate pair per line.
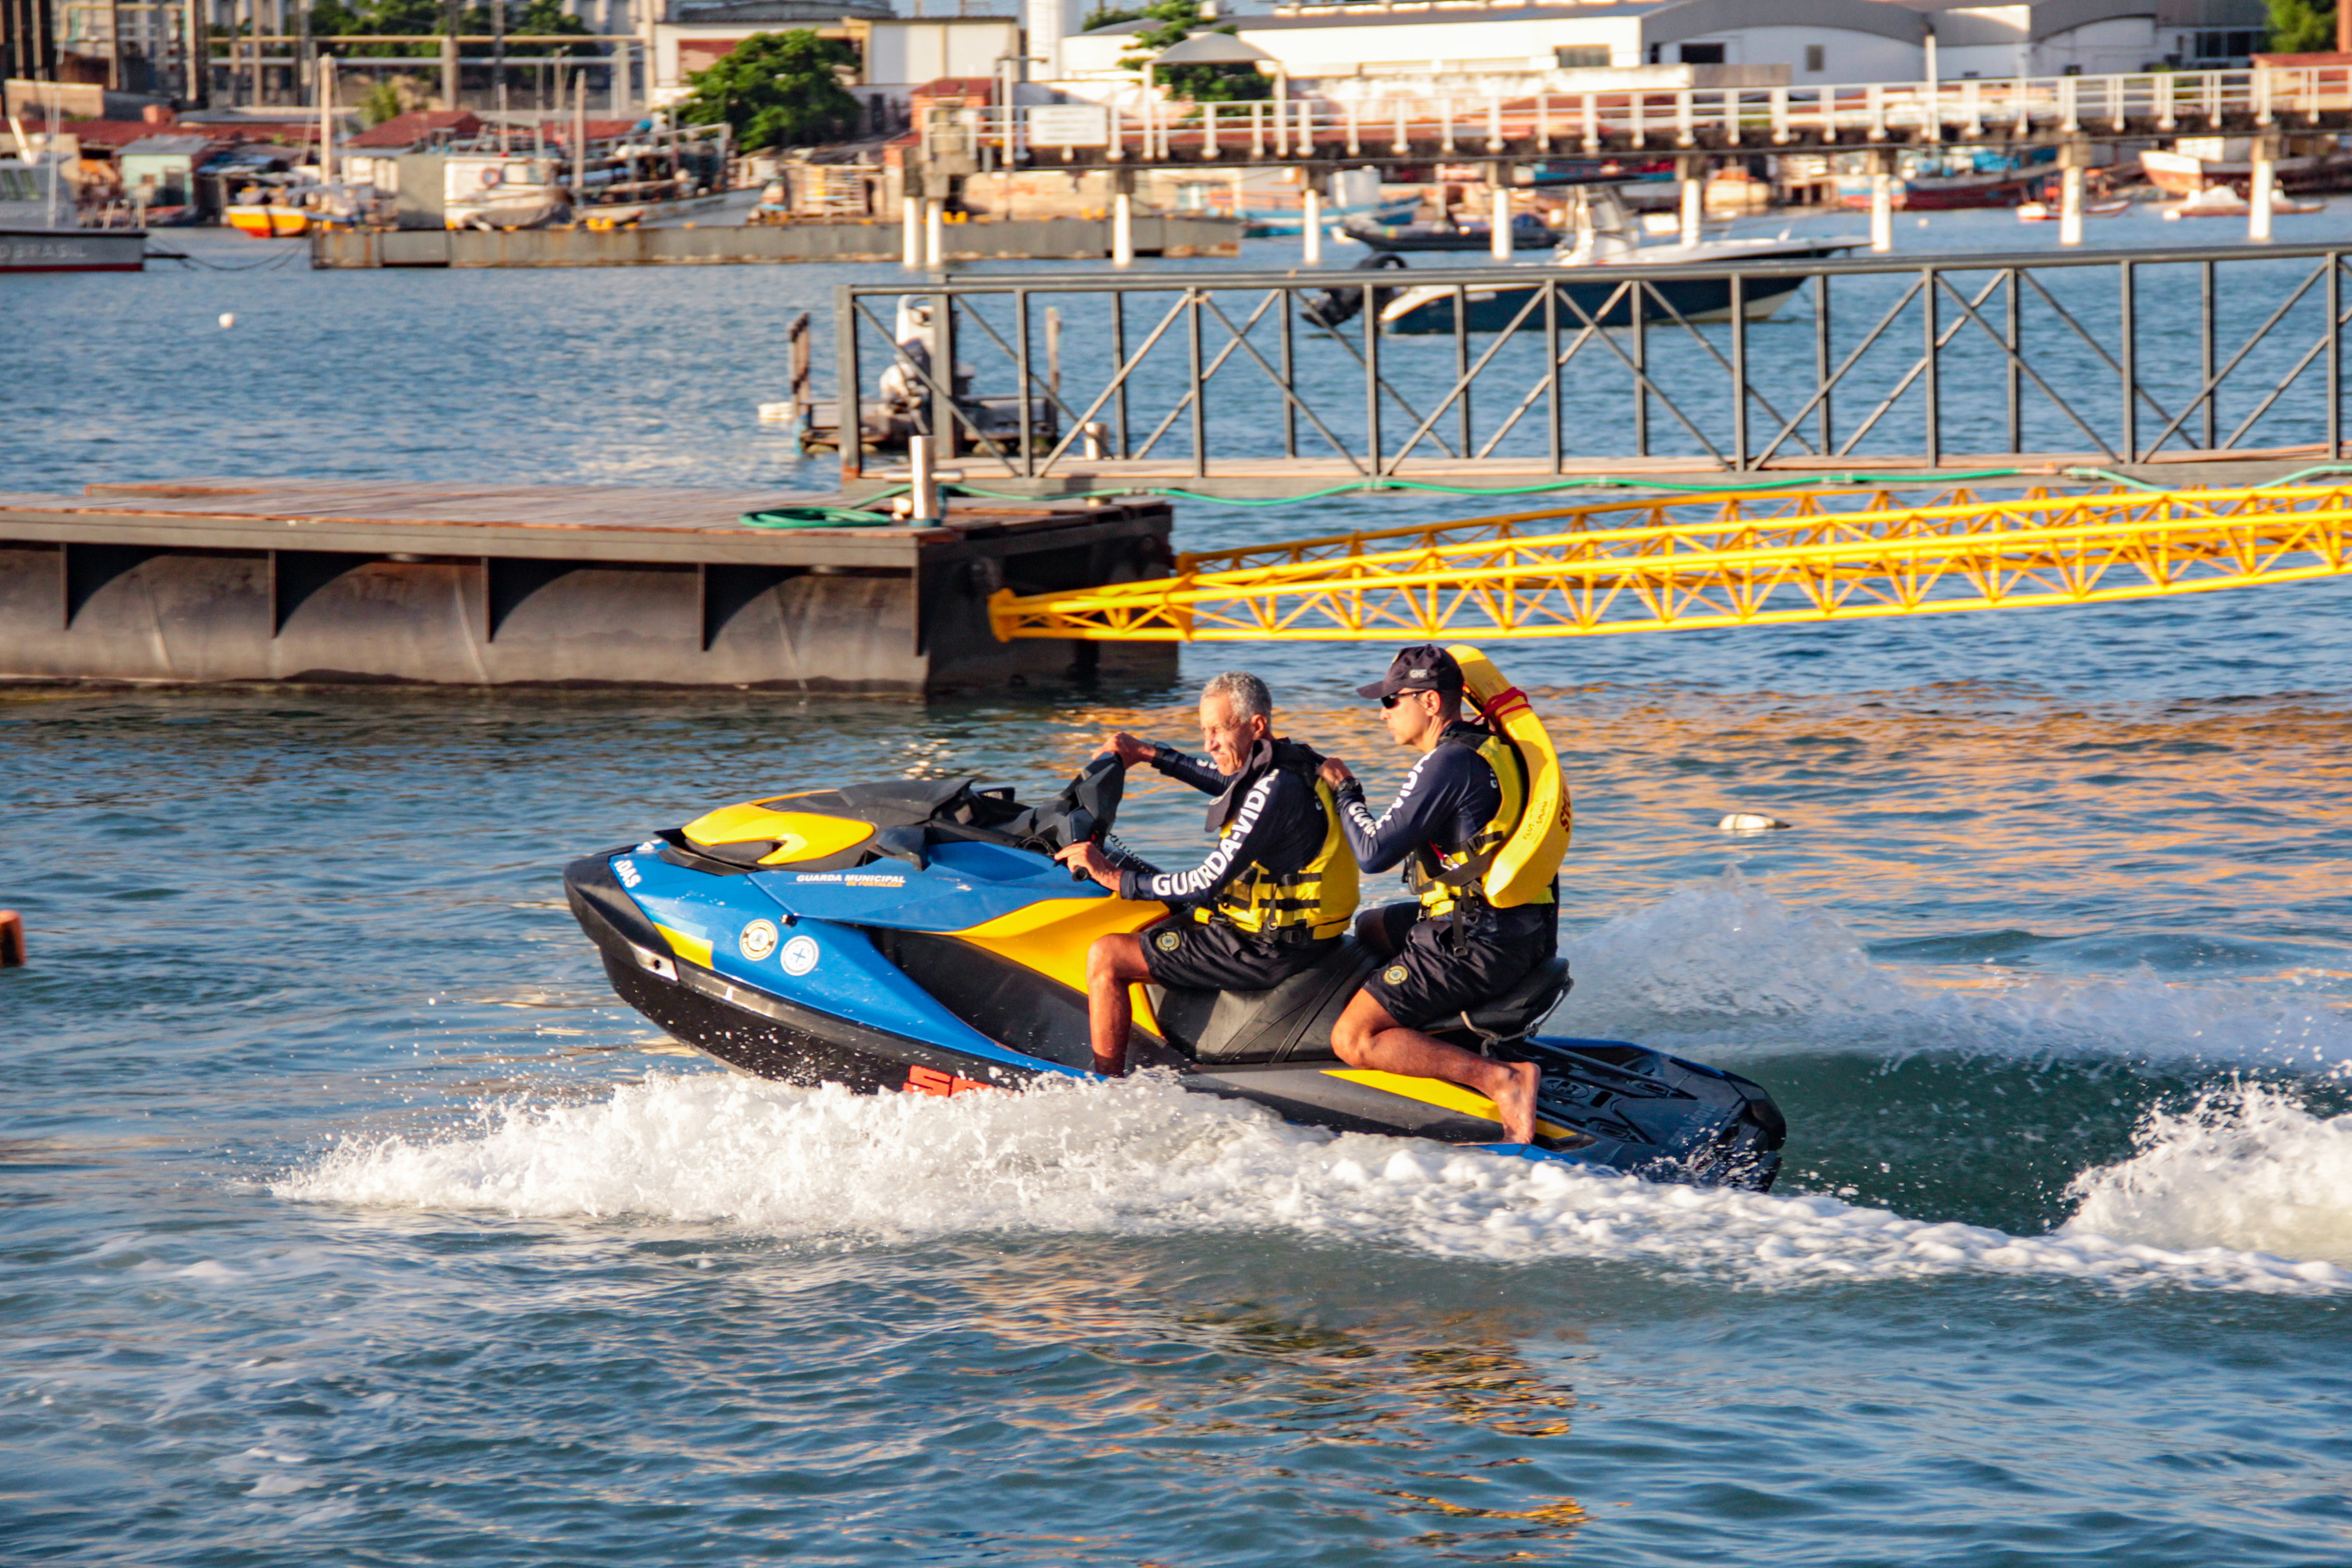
x,y
1428,668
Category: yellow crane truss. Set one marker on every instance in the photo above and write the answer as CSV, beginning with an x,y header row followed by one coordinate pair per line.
x,y
1764,559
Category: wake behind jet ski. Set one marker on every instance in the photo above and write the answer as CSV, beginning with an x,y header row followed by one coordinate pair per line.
x,y
917,935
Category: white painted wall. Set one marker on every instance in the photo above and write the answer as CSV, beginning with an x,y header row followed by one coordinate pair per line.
x,y
1845,56
2099,48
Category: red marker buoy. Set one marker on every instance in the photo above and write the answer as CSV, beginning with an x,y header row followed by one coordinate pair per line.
x,y
12,940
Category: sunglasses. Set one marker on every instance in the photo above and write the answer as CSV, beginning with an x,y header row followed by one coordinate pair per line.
x,y
1395,698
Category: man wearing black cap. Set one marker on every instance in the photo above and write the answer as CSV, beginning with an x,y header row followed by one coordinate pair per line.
x,y
1451,949
1271,900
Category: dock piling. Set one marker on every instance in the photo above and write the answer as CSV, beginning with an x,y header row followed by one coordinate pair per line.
x,y
2264,184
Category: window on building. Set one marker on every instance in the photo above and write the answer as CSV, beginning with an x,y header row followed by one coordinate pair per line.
x,y
2232,45
2070,70
1702,54
1581,57
1814,53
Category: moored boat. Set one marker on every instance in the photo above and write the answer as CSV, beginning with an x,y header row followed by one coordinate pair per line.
x,y
1606,236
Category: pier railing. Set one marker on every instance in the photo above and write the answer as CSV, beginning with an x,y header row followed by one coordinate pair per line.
x,y
1274,383
1414,127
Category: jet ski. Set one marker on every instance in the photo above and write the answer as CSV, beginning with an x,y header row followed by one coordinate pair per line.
x,y
917,936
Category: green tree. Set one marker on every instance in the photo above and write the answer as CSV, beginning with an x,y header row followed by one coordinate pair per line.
x,y
380,103
338,19
2299,27
776,89
1178,20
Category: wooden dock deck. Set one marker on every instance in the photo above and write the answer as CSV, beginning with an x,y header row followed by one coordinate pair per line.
x,y
275,580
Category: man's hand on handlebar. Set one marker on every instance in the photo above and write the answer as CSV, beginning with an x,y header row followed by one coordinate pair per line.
x,y
1087,860
1335,773
1127,749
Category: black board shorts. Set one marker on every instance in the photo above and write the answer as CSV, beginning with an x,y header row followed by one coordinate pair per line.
x,y
1186,955
1437,968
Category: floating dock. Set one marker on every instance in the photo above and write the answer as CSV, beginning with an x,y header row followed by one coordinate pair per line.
x,y
1060,238
456,584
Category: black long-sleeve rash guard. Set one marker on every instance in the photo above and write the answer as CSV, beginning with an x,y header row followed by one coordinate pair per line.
x,y
1278,824
1449,794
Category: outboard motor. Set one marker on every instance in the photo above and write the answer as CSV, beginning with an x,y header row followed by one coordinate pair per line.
x,y
1336,307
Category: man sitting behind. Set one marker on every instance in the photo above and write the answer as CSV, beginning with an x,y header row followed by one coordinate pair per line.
x,y
1452,949
1272,897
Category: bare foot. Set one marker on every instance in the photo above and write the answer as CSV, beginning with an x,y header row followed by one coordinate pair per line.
x,y
1517,1102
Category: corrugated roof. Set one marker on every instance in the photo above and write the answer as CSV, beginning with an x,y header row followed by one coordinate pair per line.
x,y
407,130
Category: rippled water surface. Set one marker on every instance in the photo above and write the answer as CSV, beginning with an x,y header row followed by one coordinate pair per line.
x,y
349,1220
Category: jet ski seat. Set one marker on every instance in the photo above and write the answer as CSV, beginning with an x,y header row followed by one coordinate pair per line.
x,y
1293,1022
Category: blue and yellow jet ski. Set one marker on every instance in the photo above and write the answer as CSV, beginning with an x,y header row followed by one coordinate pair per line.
x,y
917,935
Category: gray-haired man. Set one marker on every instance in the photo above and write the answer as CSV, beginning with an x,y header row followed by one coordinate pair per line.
x,y
1272,897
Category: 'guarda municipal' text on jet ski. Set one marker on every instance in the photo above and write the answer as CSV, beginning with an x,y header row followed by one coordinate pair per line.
x,y
916,935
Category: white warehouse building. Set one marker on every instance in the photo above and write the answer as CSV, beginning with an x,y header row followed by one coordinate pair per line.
x,y
1518,46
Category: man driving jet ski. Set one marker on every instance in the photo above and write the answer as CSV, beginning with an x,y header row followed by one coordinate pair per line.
x,y
1451,949
1275,894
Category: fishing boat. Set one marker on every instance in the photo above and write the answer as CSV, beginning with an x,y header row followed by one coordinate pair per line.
x,y
32,239
267,220
1403,233
2048,212
1605,236
2227,200
2195,163
1945,182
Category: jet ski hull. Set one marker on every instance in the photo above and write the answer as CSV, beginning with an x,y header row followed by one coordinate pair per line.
x,y
947,1011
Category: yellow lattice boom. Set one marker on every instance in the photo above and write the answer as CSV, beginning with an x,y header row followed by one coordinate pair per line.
x,y
1762,560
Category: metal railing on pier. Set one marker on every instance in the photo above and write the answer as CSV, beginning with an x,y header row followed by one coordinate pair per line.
x,y
1415,127
1278,384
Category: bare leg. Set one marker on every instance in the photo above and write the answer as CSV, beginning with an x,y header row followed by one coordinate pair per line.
x,y
1113,963
1367,1036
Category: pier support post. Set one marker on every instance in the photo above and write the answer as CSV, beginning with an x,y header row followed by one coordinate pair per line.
x,y
911,231
2262,187
1123,228
1500,214
1310,224
1881,203
2074,155
935,238
1692,173
923,481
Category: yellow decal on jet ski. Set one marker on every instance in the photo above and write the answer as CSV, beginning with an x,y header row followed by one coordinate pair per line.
x,y
798,835
1527,861
693,949
1437,1091
1051,935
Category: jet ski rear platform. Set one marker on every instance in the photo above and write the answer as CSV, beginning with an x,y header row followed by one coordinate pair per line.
x,y
917,936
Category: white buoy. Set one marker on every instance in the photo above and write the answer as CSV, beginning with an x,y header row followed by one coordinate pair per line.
x,y
228,318
1750,822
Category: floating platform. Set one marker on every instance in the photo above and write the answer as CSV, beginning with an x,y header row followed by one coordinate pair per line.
x,y
229,580
1059,239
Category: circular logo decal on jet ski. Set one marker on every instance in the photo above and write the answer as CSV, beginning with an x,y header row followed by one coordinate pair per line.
x,y
1396,974
759,939
800,955
1166,941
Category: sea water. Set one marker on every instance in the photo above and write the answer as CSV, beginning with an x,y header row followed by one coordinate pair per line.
x,y
350,1219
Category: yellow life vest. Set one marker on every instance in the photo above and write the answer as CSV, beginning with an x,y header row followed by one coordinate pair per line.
x,y
1443,880
1514,857
1316,900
